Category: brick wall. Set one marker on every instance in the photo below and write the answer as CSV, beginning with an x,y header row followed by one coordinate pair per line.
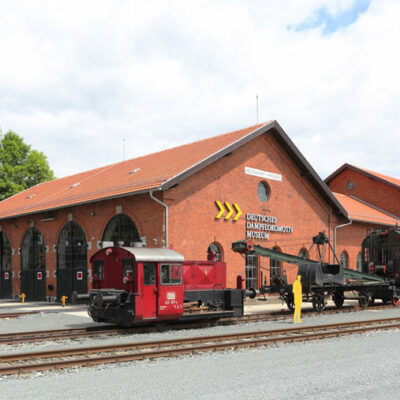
x,y
368,189
92,218
293,201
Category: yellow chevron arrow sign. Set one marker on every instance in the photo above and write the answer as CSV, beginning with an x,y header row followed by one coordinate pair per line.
x,y
228,208
221,209
239,212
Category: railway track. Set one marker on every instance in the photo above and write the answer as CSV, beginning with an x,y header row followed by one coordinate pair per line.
x,y
17,314
21,363
98,331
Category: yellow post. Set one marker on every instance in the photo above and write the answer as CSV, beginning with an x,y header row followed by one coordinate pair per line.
x,y
22,297
63,298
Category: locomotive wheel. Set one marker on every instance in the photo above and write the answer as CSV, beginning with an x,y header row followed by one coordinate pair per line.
x,y
363,300
385,300
290,302
395,301
318,302
338,299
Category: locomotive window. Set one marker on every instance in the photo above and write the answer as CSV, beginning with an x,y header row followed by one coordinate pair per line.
x,y
127,267
98,272
149,273
171,274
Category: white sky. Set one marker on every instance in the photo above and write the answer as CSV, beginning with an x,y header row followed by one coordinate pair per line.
x,y
76,77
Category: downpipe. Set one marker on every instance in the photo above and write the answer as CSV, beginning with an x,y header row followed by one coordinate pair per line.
x,y
166,215
334,237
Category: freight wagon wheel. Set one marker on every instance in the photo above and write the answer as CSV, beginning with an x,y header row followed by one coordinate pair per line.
x,y
371,301
395,301
318,302
363,300
338,299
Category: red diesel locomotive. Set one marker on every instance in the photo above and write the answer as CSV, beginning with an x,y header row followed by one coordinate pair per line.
x,y
136,284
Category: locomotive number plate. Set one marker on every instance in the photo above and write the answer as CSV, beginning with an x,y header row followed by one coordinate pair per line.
x,y
171,295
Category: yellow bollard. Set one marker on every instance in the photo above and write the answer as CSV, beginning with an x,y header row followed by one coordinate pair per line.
x,y
63,298
22,297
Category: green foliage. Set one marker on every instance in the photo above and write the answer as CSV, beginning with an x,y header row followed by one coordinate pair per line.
x,y
20,167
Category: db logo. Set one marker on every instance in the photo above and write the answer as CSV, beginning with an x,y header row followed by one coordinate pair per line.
x,y
170,296
79,275
6,275
39,276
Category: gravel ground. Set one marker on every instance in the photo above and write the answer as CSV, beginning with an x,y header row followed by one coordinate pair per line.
x,y
356,367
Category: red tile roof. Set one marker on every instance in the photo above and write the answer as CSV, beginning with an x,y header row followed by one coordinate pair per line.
x,y
126,177
383,178
389,179
360,211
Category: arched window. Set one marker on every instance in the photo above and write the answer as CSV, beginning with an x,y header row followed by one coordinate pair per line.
x,y
33,252
5,253
359,262
275,266
71,247
214,252
121,230
303,253
344,259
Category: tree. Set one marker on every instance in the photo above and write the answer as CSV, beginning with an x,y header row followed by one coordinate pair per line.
x,y
20,166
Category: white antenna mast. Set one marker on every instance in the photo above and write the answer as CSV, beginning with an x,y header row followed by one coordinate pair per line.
x,y
257,106
123,149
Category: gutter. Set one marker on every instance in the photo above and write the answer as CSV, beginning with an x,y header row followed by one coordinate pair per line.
x,y
334,236
166,214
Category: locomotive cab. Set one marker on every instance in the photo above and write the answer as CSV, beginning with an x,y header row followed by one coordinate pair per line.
x,y
133,284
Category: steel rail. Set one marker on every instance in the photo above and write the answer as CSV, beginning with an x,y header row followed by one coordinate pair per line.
x,y
112,330
218,342
17,314
180,341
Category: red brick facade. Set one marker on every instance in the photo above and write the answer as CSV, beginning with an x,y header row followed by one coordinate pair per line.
x,y
92,218
370,190
373,191
294,201
192,212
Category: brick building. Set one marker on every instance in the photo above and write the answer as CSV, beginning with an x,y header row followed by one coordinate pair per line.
x,y
197,198
372,201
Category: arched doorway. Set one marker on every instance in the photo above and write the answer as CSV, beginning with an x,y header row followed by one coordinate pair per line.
x,y
33,265
121,231
71,261
5,267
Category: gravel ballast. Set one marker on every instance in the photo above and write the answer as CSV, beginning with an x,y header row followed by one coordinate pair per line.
x,y
356,367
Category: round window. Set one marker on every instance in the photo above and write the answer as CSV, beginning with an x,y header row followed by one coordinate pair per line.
x,y
263,191
350,185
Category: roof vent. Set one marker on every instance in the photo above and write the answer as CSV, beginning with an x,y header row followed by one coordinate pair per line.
x,y
75,185
30,196
134,171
